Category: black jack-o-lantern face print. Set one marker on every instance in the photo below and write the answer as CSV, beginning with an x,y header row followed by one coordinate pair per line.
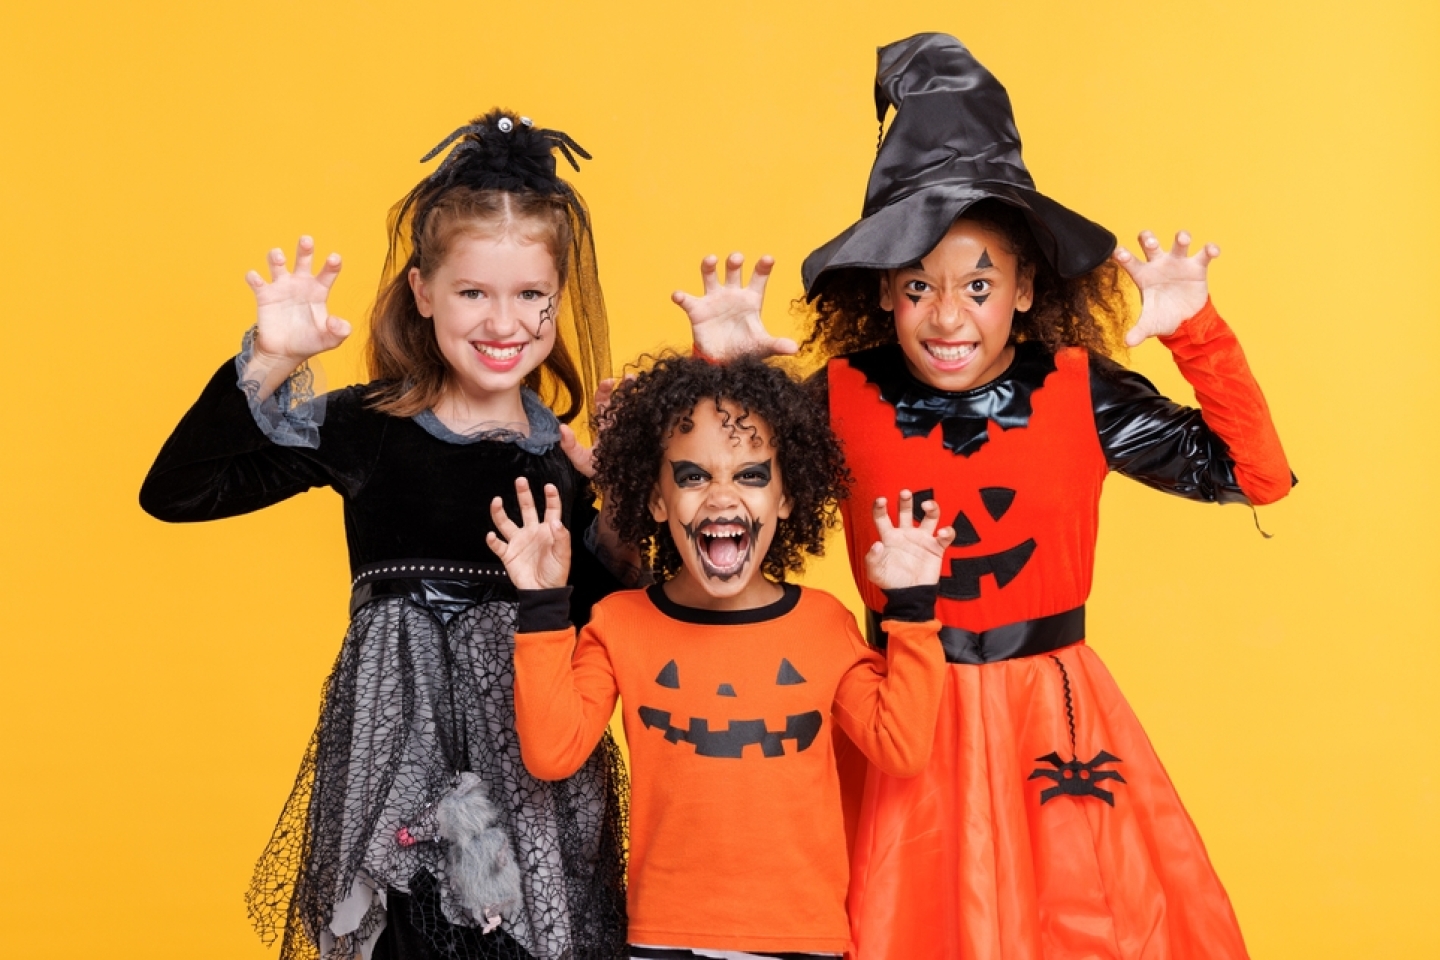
x,y
962,582
759,698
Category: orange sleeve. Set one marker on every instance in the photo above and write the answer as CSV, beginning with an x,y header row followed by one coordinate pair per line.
x,y
565,694
1209,357
888,704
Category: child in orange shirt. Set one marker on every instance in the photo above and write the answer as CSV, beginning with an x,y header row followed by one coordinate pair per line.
x,y
729,677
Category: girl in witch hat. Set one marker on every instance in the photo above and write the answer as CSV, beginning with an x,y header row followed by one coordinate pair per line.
x,y
413,830
969,324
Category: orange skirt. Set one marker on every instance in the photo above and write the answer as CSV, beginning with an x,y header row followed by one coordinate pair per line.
x,y
993,854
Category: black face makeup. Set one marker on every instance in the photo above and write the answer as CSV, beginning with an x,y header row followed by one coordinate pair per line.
x,y
547,315
984,260
724,545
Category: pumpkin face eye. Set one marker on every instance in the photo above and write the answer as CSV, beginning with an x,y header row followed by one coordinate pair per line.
x,y
963,582
788,675
669,676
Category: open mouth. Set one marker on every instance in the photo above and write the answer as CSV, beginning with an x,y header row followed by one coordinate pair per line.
x,y
724,546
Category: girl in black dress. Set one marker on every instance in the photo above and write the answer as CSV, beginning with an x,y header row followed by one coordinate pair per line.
x,y
413,829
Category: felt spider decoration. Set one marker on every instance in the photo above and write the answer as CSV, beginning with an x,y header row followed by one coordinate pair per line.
x,y
1074,778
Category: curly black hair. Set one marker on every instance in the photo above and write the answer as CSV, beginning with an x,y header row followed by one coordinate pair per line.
x,y
646,411
1088,311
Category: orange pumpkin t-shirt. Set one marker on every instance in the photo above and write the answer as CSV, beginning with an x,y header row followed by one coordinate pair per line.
x,y
736,833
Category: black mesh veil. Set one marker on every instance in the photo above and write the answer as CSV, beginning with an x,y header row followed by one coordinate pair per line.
x,y
504,151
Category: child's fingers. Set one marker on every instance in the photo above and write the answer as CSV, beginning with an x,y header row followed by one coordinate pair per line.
x,y
733,265
277,264
1127,260
1207,253
528,516
255,281
304,251
880,510
905,513
496,545
931,520
552,506
1150,244
501,519
945,536
784,347
329,270
1181,247
707,273
761,273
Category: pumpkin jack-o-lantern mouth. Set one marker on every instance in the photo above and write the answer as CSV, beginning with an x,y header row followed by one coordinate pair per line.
x,y
730,743
963,580
724,545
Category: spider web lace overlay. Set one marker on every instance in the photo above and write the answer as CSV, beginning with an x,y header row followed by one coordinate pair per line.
x,y
411,701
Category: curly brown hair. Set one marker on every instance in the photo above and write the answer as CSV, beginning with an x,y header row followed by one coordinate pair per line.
x,y
647,410
1089,311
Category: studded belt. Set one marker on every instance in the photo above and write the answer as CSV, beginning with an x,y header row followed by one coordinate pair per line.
x,y
445,586
1024,639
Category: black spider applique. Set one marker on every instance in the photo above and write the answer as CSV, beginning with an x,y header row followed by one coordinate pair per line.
x,y
1075,778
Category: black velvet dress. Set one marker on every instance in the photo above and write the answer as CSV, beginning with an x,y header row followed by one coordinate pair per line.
x,y
423,686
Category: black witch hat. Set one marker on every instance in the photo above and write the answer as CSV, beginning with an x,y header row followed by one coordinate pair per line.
x,y
953,143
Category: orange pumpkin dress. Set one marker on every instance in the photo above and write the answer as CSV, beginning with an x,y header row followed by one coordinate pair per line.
x,y
1044,825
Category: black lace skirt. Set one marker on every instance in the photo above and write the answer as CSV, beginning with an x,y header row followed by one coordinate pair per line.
x,y
423,689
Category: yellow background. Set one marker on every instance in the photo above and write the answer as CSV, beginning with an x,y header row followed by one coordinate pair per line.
x,y
159,683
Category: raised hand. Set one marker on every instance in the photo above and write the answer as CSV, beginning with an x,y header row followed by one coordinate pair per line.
x,y
1172,284
725,320
536,554
293,322
580,455
907,554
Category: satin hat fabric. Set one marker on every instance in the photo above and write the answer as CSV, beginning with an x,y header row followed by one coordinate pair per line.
x,y
953,142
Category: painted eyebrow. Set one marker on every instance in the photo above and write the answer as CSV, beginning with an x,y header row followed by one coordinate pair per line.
x,y
984,260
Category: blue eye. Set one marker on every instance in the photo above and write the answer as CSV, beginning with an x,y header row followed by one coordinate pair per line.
x,y
471,294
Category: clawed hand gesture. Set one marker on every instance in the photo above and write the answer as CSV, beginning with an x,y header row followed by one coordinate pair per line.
x,y
293,322
1172,284
536,554
907,554
725,321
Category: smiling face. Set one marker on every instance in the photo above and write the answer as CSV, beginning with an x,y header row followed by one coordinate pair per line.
x,y
493,301
953,310
721,495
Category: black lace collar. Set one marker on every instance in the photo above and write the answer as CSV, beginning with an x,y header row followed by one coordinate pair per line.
x,y
964,417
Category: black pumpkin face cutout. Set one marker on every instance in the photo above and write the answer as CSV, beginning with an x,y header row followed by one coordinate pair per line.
x,y
963,580
730,743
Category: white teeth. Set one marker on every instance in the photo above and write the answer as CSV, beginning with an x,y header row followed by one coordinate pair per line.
x,y
948,354
499,353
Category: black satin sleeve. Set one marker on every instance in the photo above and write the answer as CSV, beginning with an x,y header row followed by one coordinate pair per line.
x,y
217,462
1150,438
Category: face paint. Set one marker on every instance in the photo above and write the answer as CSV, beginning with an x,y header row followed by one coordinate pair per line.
x,y
721,503
724,546
546,315
953,311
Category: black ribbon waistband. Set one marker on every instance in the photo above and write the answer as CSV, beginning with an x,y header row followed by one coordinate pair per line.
x,y
443,586
1024,639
